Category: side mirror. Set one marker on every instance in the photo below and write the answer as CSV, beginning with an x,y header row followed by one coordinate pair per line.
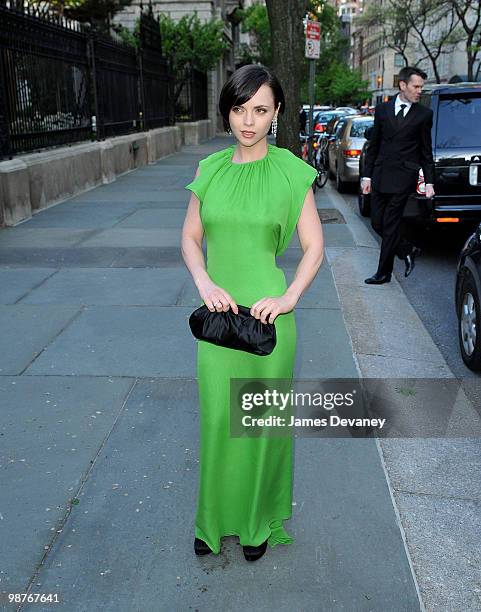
x,y
368,133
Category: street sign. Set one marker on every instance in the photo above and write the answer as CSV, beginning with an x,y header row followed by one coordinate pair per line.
x,y
313,39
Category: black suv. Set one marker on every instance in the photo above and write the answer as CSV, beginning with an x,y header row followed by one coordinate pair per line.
x,y
456,137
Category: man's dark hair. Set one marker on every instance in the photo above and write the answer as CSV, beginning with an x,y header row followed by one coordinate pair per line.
x,y
243,84
407,72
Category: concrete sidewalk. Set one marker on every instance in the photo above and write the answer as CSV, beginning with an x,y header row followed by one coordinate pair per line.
x,y
100,423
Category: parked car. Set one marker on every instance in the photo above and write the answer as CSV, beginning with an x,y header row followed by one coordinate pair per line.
x,y
468,300
345,149
316,109
323,117
333,125
333,129
456,138
347,109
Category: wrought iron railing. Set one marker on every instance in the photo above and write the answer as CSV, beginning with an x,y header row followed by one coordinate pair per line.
x,y
63,82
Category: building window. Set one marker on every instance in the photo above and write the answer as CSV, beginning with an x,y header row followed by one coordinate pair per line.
x,y
398,59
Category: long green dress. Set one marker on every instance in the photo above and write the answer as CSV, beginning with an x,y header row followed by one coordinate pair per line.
x,y
249,212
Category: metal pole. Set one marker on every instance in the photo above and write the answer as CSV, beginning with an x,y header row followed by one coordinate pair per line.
x,y
312,74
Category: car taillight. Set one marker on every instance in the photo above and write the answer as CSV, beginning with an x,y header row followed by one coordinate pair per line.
x,y
351,153
421,186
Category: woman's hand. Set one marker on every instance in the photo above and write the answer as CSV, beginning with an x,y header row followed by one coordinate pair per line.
x,y
271,307
216,298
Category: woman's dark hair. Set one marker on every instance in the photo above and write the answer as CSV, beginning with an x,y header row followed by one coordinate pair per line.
x,y
407,72
243,84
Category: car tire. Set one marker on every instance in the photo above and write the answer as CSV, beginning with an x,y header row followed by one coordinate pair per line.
x,y
341,186
469,322
364,201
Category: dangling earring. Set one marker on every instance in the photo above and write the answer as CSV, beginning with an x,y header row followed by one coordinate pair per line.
x,y
229,131
274,127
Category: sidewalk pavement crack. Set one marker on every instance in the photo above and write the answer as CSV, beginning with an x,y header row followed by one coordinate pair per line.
x,y
37,355
121,219
180,295
39,284
438,363
438,496
88,235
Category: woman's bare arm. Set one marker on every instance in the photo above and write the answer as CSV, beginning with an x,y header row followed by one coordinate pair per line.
x,y
191,247
311,237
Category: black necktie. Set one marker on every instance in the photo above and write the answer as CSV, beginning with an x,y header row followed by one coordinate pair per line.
x,y
400,114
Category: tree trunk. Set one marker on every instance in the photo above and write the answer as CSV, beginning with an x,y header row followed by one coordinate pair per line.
x,y
287,42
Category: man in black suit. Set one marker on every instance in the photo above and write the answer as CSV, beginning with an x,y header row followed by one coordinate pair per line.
x,y
399,146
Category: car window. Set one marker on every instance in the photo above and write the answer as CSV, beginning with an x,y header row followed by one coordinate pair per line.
x,y
459,120
359,127
339,126
326,117
331,125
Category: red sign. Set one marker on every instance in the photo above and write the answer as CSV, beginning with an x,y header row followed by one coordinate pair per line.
x,y
313,30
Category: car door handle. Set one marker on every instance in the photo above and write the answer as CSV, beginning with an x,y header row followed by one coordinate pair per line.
x,y
450,174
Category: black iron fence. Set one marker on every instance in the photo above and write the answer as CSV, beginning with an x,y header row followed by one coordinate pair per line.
x,y
63,82
190,96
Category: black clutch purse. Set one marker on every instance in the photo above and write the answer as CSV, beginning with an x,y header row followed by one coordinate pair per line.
x,y
242,331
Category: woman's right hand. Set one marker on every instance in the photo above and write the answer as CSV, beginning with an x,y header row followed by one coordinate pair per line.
x,y
217,299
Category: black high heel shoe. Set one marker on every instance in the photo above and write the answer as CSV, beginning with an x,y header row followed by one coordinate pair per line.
x,y
252,553
200,547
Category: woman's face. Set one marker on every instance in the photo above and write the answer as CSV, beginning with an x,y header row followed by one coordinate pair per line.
x,y
251,121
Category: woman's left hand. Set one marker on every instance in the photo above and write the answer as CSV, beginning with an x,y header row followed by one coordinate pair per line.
x,y
270,307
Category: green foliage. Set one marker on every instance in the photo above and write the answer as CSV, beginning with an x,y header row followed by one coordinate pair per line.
x,y
339,85
346,86
128,36
189,43
335,82
256,21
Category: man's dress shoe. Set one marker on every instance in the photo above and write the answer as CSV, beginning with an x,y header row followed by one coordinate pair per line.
x,y
252,553
410,260
378,279
200,547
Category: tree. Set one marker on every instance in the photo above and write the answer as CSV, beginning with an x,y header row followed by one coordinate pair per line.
x,y
335,82
469,15
393,23
435,25
287,42
187,43
255,21
432,26
191,44
339,85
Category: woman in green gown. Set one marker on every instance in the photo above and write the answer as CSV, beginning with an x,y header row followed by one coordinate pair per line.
x,y
247,199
